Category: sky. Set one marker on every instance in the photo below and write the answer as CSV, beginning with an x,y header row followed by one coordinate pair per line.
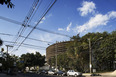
x,y
67,17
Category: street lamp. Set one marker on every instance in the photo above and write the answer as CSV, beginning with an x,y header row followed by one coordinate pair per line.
x,y
90,53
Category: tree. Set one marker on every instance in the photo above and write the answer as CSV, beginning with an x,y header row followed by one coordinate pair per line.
x,y
77,55
31,60
1,42
7,2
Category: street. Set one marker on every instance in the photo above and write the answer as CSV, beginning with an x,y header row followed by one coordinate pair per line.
x,y
38,75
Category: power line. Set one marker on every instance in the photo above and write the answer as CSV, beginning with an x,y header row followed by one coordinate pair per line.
x,y
25,44
10,20
37,40
37,23
30,26
49,31
6,34
27,38
26,20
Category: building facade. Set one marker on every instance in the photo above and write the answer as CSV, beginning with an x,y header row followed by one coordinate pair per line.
x,y
57,48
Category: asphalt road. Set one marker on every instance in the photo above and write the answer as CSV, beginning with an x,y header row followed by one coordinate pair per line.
x,y
37,75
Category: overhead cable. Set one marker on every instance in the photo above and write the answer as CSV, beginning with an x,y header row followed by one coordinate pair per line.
x,y
37,23
30,26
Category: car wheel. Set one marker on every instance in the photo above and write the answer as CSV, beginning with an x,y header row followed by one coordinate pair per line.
x,y
62,75
75,75
68,75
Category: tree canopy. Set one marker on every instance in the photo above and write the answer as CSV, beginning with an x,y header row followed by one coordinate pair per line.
x,y
103,47
7,2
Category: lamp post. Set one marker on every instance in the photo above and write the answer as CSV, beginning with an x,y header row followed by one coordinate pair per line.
x,y
90,53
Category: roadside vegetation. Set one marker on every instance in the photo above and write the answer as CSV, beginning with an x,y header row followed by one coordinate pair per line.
x,y
103,47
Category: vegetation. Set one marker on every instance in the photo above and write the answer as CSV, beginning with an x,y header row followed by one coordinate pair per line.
x,y
77,54
26,60
7,2
31,60
1,42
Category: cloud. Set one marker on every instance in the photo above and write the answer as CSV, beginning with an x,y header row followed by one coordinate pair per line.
x,y
50,15
112,14
60,29
97,20
31,50
87,7
52,37
43,19
68,27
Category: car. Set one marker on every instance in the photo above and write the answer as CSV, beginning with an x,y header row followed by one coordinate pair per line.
x,y
73,73
50,72
93,74
43,72
60,73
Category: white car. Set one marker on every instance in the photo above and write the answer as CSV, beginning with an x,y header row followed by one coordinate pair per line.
x,y
51,72
73,73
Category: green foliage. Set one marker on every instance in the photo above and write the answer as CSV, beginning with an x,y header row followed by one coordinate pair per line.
x,y
30,59
1,42
103,46
7,2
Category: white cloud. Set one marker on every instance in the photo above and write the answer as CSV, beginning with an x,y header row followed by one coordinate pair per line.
x,y
112,14
52,37
50,15
43,19
68,27
31,50
60,29
87,7
97,20
41,22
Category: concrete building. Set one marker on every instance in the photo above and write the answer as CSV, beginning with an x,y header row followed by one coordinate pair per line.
x,y
56,48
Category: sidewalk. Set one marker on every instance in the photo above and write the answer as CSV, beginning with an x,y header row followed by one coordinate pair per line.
x,y
4,75
106,74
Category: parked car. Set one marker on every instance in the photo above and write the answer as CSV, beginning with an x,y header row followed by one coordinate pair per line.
x,y
73,73
43,72
60,73
50,72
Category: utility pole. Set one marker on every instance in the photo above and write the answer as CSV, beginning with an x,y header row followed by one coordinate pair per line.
x,y
7,46
90,53
90,56
7,53
56,55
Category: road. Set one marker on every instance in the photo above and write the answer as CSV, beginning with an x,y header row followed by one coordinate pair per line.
x,y
37,75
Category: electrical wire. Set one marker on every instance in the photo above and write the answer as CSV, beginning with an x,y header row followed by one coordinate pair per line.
x,y
30,26
37,23
27,38
25,22
25,44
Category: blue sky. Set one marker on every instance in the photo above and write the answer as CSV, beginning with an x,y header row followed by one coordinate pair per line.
x,y
68,17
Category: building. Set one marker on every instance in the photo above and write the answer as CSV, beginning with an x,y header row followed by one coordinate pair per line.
x,y
56,48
